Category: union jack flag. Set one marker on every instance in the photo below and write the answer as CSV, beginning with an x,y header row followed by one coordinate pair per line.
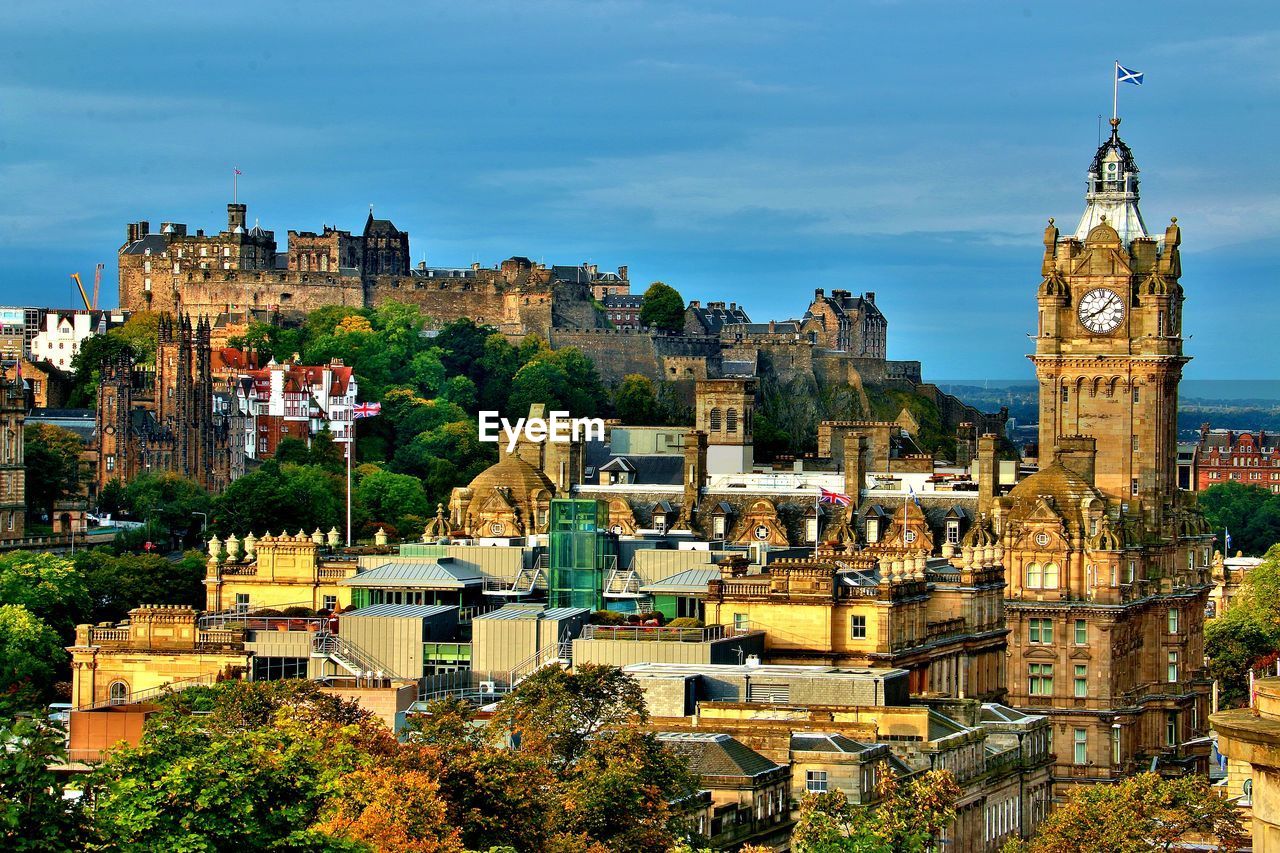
x,y
366,410
827,497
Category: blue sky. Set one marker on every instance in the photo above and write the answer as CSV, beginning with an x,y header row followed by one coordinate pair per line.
x,y
739,151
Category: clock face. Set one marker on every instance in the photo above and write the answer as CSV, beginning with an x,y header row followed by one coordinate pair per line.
x,y
1101,310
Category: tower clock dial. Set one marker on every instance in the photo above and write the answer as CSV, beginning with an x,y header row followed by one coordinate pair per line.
x,y
1101,310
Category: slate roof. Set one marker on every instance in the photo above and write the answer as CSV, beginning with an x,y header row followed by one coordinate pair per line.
x,y
439,573
157,243
664,469
711,754
825,742
623,300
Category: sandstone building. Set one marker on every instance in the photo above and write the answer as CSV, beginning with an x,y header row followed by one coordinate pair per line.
x,y
1107,561
167,419
13,474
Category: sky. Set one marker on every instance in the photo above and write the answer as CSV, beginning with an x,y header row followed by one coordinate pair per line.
x,y
746,152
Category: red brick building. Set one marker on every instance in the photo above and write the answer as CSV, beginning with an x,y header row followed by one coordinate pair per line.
x,y
1242,457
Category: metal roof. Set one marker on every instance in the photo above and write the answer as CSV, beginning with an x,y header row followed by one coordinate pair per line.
x,y
826,742
534,613
439,573
690,580
411,611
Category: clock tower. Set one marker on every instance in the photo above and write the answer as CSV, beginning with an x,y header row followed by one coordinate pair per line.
x,y
1109,340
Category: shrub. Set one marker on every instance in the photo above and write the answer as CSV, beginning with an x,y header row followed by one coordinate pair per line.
x,y
686,622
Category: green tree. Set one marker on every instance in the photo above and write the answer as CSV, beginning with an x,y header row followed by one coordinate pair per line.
x,y
1250,513
1141,813
142,333
30,651
168,503
555,713
278,497
662,308
905,819
539,382
119,583
52,462
385,497
48,586
87,363
636,402
33,815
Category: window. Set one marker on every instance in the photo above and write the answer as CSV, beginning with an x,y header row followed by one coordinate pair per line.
x,y
1035,576
715,420
1050,575
1082,632
118,693
1173,667
1065,393
1173,621
1115,744
1041,631
1040,681
1133,485
242,601
815,781
873,530
1080,744
1081,681
741,622
1135,394
731,420
1171,730
1133,566
330,602
858,627
1135,444
111,462
953,533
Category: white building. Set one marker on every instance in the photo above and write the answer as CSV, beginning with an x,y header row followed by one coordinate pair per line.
x,y
295,401
64,331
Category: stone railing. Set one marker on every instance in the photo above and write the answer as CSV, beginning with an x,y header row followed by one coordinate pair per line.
x,y
664,633
99,636
335,574
239,571
219,638
944,628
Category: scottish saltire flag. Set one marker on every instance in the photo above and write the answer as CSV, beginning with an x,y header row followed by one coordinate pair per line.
x,y
826,497
366,410
1124,75
911,493
1227,535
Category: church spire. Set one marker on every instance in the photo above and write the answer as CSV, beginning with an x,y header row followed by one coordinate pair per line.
x,y
1112,191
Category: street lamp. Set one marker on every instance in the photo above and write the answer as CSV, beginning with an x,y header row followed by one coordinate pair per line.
x,y
204,520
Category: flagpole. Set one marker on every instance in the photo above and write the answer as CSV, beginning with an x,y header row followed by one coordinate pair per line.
x,y
235,187
1115,90
817,521
351,439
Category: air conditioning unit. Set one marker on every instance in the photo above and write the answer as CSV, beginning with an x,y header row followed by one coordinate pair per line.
x,y
488,688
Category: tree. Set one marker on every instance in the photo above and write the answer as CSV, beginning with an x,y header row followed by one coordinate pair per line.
x,y
30,651
278,497
87,363
393,498
1234,644
48,586
1143,812
905,819
33,815
1250,513
168,503
663,308
554,713
636,402
253,770
52,462
538,382
142,333
117,584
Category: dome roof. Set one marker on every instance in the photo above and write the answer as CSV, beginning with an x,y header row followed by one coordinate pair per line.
x,y
510,472
1067,489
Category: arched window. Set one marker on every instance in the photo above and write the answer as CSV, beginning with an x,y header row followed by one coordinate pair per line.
x,y
1050,575
731,420
118,692
715,420
1035,578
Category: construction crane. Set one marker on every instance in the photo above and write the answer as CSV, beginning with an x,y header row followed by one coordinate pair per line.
x,y
97,285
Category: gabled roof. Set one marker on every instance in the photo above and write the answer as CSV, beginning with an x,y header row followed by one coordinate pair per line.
x,y
435,573
711,754
618,463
